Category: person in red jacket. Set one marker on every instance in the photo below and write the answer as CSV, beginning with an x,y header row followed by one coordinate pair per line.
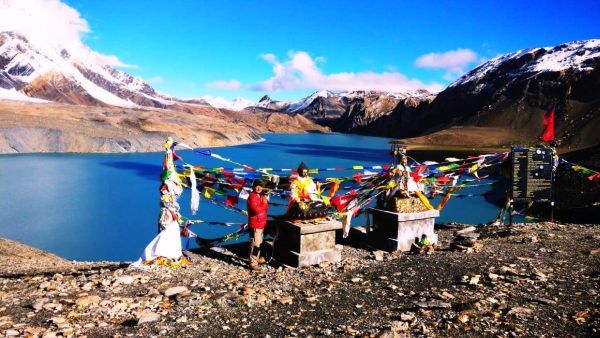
x,y
257,219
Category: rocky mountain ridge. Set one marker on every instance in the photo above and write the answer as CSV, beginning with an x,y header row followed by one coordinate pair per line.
x,y
497,104
328,108
509,93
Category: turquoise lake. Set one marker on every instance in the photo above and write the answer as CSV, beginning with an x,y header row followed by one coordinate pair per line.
x,y
105,206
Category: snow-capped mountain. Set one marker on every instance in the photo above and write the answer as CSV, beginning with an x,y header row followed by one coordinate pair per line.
x,y
56,74
577,56
237,104
512,92
326,107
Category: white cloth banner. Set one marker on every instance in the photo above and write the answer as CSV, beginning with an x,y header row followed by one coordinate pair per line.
x,y
195,201
166,244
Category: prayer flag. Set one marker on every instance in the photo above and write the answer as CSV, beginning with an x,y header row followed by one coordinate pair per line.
x,y
442,180
232,200
357,177
341,201
548,134
596,176
424,200
244,194
208,192
445,199
335,185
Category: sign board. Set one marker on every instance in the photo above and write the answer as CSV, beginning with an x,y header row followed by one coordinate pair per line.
x,y
532,174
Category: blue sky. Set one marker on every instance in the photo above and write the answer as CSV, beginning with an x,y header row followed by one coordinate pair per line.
x,y
232,48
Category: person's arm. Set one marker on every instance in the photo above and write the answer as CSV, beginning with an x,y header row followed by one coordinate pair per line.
x,y
256,204
294,192
264,202
312,190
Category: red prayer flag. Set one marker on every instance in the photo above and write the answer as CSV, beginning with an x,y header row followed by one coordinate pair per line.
x,y
341,201
232,200
442,180
548,134
596,176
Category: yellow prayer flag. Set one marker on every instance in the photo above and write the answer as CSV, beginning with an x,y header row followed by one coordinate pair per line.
x,y
358,167
208,192
424,200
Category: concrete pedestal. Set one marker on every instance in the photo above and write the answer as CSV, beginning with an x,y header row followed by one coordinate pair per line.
x,y
305,244
392,231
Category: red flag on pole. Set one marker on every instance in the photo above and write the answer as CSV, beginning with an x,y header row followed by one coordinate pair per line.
x,y
548,134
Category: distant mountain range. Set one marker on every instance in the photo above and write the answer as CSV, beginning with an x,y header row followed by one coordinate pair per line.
x,y
499,103
58,100
505,98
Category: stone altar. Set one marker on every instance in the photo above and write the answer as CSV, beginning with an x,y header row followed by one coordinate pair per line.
x,y
392,231
307,243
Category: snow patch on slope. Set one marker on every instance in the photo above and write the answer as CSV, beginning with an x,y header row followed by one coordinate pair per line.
x,y
236,104
13,95
29,61
573,55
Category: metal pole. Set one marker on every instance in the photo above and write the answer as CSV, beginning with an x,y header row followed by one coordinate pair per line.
x,y
510,207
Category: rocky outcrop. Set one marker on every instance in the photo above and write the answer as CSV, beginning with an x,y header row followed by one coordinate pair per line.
x,y
362,112
58,88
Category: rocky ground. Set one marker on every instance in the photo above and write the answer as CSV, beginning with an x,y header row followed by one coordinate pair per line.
x,y
532,280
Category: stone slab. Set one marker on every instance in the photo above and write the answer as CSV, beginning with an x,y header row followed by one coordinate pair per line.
x,y
385,214
305,244
296,259
392,231
311,227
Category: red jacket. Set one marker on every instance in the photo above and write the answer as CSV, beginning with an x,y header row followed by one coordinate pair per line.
x,y
257,211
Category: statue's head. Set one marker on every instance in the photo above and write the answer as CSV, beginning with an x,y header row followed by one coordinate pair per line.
x,y
302,170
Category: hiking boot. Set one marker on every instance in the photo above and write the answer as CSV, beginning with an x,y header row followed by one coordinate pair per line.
x,y
261,260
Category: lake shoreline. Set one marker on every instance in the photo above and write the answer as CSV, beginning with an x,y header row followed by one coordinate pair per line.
x,y
525,279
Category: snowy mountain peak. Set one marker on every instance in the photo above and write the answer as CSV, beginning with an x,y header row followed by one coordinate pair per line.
x,y
576,56
265,99
236,104
25,64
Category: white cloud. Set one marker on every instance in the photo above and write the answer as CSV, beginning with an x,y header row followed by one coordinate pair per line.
x,y
51,24
459,58
231,85
454,62
300,71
